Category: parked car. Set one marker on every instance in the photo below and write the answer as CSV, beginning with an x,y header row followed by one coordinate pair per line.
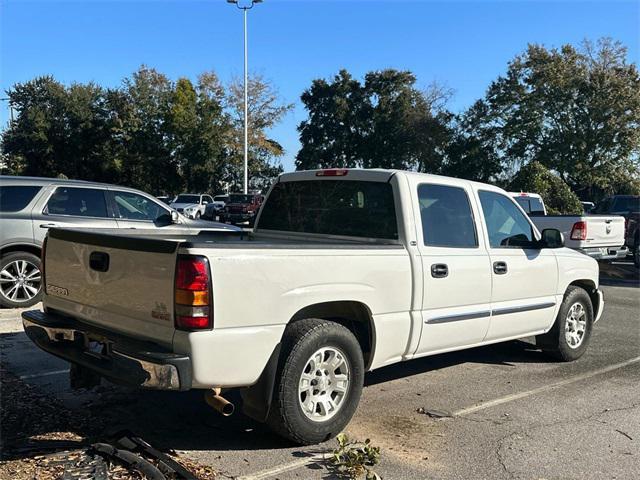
x,y
191,205
213,209
241,208
599,236
627,206
165,199
349,271
30,206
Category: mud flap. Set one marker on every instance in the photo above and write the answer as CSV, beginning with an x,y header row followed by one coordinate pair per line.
x,y
256,399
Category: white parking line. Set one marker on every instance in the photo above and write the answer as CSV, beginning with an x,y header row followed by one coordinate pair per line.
x,y
283,468
46,374
544,388
265,474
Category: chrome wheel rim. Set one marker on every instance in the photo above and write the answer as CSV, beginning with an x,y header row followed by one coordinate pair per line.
x,y
20,281
324,384
575,325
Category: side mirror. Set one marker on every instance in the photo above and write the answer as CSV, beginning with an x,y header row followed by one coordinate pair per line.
x,y
551,238
204,202
175,218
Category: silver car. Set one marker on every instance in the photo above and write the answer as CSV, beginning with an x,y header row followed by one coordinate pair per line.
x,y
29,206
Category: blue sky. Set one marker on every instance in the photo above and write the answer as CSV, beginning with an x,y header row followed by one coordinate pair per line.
x,y
462,44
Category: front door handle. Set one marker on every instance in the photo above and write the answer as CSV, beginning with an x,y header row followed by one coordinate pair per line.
x,y
500,268
439,270
48,225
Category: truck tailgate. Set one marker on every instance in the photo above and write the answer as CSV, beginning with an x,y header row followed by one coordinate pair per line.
x,y
604,231
122,283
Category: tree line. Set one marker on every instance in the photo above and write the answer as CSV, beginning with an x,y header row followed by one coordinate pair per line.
x,y
574,111
150,133
571,111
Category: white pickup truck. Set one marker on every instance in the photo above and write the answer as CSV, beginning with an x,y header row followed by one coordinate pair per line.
x,y
346,271
600,236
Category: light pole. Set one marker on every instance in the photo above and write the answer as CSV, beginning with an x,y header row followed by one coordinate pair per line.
x,y
245,7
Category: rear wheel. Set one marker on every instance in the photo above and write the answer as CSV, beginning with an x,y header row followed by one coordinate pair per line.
x,y
569,337
20,280
318,383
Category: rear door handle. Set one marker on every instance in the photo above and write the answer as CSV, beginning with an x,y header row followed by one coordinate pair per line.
x,y
500,268
48,225
439,270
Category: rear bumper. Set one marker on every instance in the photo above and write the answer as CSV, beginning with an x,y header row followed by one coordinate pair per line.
x,y
606,253
122,359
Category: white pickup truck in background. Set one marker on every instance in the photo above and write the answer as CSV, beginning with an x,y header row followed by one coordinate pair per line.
x,y
599,236
346,271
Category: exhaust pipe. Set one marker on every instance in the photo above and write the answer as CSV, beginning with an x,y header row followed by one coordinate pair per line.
x,y
218,402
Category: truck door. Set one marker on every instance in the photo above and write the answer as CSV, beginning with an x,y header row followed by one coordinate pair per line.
x,y
524,277
457,279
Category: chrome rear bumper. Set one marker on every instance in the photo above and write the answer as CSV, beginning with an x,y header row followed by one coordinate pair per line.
x,y
118,358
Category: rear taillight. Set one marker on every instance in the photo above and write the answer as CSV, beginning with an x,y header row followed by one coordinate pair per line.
x,y
579,231
193,298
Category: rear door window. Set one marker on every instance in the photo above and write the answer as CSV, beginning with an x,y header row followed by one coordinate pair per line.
x,y
447,220
14,198
331,207
77,202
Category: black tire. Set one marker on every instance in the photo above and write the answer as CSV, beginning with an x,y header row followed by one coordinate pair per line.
x,y
555,342
636,253
301,340
197,215
21,301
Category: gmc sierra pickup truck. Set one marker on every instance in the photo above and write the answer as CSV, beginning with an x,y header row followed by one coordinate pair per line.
x,y
348,271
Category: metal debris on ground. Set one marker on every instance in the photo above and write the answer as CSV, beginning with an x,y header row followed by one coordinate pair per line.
x,y
43,440
434,413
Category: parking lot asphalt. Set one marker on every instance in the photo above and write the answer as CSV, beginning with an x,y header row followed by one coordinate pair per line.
x,y
514,413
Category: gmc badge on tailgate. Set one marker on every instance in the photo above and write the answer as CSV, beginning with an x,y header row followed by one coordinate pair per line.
x,y
59,291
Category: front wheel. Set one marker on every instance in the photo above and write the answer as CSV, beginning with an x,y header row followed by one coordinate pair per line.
x,y
318,383
636,254
569,337
197,216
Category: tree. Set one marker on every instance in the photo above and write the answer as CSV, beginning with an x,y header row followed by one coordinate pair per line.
x,y
471,152
576,111
385,122
558,197
147,161
266,109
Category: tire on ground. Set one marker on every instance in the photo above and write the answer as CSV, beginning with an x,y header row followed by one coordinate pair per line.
x,y
6,260
300,341
555,342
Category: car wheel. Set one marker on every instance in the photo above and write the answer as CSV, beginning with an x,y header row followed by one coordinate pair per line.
x,y
197,216
636,254
318,382
20,280
570,335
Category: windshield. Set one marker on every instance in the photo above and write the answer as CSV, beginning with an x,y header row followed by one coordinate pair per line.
x,y
187,199
236,198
